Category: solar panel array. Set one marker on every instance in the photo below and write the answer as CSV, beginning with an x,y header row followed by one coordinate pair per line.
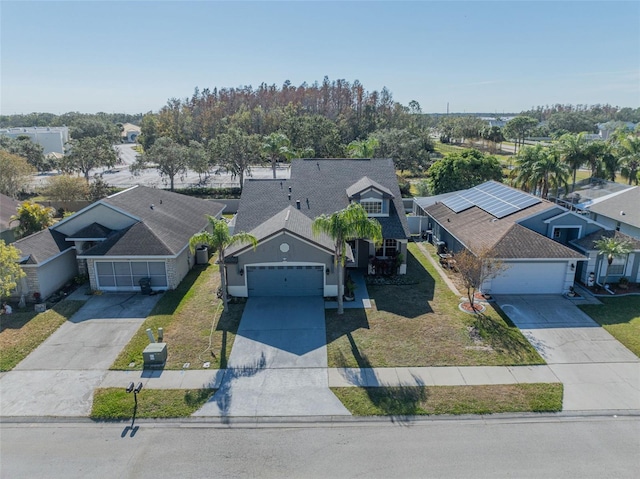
x,y
495,198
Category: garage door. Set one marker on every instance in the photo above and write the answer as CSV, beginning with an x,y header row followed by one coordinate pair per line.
x,y
285,280
126,275
530,278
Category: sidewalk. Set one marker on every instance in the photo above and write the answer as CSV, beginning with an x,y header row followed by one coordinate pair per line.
x,y
349,377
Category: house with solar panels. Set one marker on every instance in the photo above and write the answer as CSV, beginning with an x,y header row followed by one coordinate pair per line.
x,y
532,237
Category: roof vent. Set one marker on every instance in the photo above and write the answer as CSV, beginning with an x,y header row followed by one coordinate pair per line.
x,y
281,185
622,213
152,206
289,189
298,204
308,206
289,196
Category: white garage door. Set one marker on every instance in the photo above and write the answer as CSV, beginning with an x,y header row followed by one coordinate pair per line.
x,y
285,280
530,278
126,275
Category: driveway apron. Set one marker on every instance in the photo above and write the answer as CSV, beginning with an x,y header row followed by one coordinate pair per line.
x,y
597,371
58,377
278,364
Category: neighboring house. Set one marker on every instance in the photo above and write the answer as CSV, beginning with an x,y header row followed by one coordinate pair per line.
x,y
138,233
605,130
618,211
627,266
529,235
290,260
130,132
51,138
8,208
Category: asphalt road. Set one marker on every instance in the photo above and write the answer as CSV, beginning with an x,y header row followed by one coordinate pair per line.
x,y
549,447
121,177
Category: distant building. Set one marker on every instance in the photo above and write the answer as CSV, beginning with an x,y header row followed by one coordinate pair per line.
x,y
130,132
51,138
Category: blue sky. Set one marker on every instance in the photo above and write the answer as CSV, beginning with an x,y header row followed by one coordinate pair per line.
x,y
122,56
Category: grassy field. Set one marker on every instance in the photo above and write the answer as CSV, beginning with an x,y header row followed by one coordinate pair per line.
x,y
412,401
116,403
195,327
24,331
419,324
619,316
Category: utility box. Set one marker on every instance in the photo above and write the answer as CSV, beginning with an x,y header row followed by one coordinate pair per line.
x,y
155,355
202,255
145,285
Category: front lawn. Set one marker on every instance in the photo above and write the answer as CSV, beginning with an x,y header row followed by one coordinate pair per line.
x,y
188,315
419,324
116,403
416,400
619,316
23,331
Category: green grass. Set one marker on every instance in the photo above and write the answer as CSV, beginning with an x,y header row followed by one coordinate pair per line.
x,y
187,316
401,401
23,331
116,403
419,324
619,316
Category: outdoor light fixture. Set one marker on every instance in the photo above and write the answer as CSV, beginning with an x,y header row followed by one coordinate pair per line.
x,y
327,271
241,272
573,266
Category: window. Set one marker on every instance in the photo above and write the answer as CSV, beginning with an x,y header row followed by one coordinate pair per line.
x,y
372,207
617,266
388,248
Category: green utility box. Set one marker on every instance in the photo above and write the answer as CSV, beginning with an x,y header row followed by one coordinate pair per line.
x,y
155,355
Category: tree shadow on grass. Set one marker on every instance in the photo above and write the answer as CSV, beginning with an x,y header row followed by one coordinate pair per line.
x,y
504,337
409,300
400,403
228,323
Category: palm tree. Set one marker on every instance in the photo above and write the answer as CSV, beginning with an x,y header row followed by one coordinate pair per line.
x,y
612,247
540,168
573,151
630,158
276,146
220,239
363,148
342,226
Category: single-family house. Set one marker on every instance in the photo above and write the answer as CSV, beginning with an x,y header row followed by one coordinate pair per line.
x,y
290,260
130,132
619,215
138,233
529,235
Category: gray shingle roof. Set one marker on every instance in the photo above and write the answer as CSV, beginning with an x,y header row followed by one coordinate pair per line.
x,y
137,240
291,220
94,230
42,245
8,208
364,184
627,201
522,243
587,243
173,219
321,187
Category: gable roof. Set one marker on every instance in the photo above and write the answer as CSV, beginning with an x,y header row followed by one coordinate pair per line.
x,y
92,231
476,229
41,246
321,187
587,243
365,183
8,208
293,222
627,201
172,218
137,240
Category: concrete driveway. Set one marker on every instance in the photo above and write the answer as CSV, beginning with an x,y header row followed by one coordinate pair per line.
x,y
58,377
278,364
597,371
